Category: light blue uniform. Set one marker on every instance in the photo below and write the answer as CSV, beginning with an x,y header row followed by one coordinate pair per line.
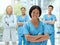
x,y
51,26
29,28
20,29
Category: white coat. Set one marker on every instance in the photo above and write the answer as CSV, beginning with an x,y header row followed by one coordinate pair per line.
x,y
9,25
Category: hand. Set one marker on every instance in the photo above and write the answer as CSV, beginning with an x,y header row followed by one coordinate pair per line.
x,y
7,23
20,23
46,21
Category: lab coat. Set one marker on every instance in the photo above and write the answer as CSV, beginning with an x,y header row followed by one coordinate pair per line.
x,y
9,32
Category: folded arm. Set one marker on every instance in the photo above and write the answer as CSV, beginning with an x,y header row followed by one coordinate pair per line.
x,y
37,38
50,22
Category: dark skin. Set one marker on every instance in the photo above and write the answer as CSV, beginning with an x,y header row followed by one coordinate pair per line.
x,y
35,21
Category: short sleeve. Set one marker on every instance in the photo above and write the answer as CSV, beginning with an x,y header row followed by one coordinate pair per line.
x,y
54,18
25,29
46,28
27,18
44,17
18,19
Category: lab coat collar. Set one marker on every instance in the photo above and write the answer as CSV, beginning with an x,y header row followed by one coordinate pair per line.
x,y
9,15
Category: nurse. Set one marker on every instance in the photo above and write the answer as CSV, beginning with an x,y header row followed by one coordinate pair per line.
x,y
21,20
50,20
35,31
9,25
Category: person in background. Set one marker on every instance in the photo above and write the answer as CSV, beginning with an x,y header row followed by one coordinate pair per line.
x,y
50,20
21,20
9,25
35,31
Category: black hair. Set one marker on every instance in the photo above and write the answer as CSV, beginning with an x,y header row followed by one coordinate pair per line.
x,y
35,7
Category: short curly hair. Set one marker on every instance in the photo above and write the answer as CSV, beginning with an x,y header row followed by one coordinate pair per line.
x,y
35,7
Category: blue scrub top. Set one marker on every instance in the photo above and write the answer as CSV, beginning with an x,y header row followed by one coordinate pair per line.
x,y
29,28
23,20
51,26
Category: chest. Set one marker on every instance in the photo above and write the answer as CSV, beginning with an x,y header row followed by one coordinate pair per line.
x,y
9,19
35,31
22,19
48,18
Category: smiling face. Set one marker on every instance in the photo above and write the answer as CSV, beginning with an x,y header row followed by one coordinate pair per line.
x,y
35,14
9,10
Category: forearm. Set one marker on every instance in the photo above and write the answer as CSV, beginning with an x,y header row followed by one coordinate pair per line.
x,y
32,38
45,37
50,22
12,24
20,23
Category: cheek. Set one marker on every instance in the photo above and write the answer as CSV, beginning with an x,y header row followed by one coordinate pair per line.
x,y
32,15
38,15
9,10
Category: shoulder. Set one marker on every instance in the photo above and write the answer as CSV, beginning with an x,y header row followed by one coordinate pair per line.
x,y
18,16
44,16
53,15
28,23
27,16
42,23
14,15
4,16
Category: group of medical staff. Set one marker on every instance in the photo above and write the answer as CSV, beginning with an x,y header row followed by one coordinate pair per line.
x,y
30,30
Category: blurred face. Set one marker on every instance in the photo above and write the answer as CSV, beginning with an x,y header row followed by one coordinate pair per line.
x,y
50,9
9,10
35,14
23,11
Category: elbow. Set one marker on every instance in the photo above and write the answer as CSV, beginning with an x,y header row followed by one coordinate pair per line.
x,y
52,22
27,37
46,36
17,23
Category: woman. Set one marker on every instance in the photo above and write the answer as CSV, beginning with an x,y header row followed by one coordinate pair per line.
x,y
35,31
20,22
9,24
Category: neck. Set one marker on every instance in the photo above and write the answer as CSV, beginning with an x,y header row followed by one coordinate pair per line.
x,y
23,14
49,13
9,14
35,21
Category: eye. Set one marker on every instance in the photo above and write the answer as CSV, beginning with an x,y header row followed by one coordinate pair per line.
x,y
33,12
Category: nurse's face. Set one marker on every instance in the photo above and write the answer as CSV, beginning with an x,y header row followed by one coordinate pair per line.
x,y
35,14
9,10
50,9
23,11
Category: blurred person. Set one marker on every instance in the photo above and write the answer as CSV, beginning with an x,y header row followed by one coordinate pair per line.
x,y
21,20
50,20
9,24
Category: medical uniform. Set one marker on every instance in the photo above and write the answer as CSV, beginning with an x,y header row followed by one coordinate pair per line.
x,y
51,26
20,29
9,32
29,28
